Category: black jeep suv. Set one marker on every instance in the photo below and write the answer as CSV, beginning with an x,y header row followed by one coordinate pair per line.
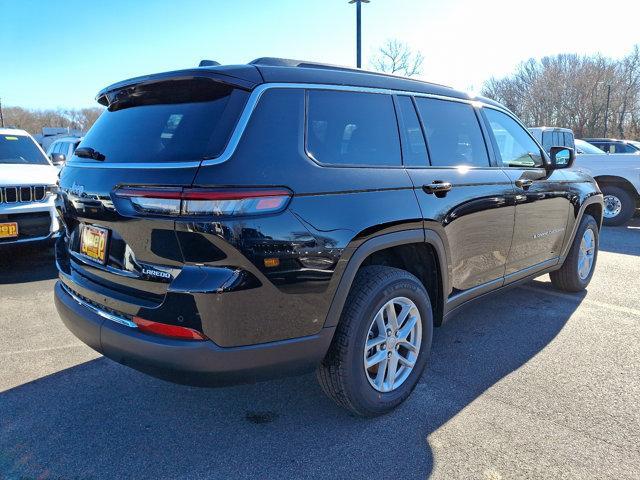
x,y
234,223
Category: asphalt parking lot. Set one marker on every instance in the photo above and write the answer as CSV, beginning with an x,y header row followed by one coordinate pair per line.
x,y
532,383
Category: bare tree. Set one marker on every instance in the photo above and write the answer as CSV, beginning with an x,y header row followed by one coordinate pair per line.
x,y
397,57
34,120
571,91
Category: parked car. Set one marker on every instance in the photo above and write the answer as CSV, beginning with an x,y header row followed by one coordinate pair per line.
x,y
27,190
61,149
278,217
48,135
585,148
553,136
618,176
613,145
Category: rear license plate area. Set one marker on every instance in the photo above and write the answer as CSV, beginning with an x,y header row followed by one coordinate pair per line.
x,y
93,243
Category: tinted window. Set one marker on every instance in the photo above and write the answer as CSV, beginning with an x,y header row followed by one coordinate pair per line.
x,y
626,148
568,140
349,128
547,140
414,150
64,148
557,139
516,147
21,150
453,133
179,120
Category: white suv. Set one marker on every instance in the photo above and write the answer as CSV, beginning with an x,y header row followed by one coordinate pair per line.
x,y
618,176
62,149
27,190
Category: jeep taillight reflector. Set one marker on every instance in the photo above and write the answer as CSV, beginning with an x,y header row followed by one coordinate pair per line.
x,y
165,330
205,202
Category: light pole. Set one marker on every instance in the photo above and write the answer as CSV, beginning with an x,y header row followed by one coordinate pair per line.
x,y
359,30
606,110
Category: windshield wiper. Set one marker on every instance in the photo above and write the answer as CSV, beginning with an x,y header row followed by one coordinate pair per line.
x,y
88,152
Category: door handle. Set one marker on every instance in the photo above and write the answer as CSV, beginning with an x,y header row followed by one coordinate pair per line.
x,y
437,187
524,183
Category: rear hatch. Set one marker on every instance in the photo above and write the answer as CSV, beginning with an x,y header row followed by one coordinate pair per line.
x,y
153,135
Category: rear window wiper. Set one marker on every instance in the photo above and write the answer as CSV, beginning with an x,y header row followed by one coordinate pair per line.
x,y
88,152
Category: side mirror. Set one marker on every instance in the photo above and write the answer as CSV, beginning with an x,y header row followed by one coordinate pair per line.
x,y
561,157
58,158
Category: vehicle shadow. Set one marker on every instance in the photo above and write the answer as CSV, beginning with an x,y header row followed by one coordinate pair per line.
x,y
624,239
27,263
102,420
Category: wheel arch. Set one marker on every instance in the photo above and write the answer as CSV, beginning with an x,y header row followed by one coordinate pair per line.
x,y
592,205
618,182
394,248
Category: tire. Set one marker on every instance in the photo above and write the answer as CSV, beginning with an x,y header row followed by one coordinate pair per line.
x,y
620,200
568,277
342,374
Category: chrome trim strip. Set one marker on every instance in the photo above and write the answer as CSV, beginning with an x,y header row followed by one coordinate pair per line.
x,y
245,116
260,89
160,165
92,263
98,311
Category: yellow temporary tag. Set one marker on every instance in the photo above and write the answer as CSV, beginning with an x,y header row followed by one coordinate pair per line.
x,y
11,138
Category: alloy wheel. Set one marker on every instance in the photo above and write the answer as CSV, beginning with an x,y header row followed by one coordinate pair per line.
x,y
393,344
586,253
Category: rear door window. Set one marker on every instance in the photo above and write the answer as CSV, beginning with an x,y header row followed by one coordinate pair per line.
x,y
352,128
547,140
168,121
568,140
414,149
453,133
626,148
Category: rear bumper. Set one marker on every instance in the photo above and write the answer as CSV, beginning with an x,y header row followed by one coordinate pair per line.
x,y
200,363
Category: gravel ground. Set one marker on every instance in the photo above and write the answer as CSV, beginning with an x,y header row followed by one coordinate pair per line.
x,y
531,383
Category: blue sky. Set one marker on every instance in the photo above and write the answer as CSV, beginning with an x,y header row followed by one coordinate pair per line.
x,y
56,53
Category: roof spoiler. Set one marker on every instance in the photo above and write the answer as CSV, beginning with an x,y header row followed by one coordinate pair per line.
x,y
208,63
245,79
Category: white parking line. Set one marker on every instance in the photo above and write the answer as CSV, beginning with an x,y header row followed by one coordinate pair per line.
x,y
595,303
61,347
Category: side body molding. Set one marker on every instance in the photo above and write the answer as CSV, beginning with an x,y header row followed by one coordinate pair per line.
x,y
382,242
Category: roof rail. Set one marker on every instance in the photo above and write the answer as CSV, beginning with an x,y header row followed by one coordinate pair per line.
x,y
288,62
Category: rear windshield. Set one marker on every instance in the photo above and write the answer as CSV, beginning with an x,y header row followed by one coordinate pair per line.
x,y
178,120
20,150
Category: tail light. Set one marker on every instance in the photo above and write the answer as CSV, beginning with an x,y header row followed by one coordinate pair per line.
x,y
165,330
204,202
